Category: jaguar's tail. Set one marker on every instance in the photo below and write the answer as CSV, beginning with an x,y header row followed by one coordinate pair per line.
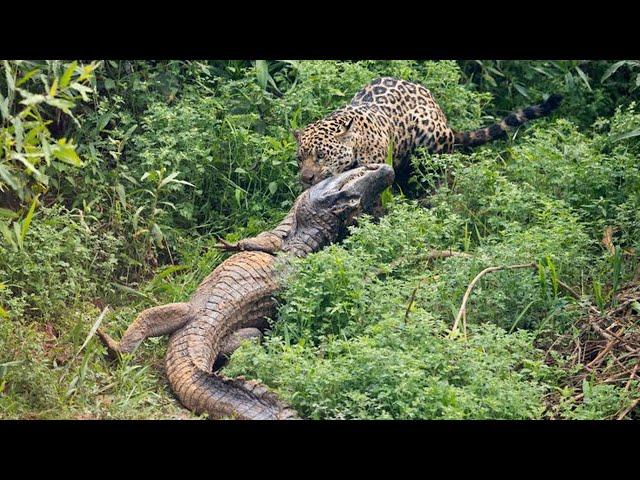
x,y
474,138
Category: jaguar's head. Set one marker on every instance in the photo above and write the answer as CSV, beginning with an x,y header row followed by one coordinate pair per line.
x,y
326,148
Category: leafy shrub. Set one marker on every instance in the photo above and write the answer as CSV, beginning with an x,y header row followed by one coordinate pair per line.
x,y
351,344
32,159
61,263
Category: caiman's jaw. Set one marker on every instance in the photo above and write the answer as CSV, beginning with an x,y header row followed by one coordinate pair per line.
x,y
324,210
353,191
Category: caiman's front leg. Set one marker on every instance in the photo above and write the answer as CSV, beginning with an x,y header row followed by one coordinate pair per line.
x,y
152,322
268,242
265,242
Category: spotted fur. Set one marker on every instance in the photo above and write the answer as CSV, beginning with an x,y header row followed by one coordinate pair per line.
x,y
391,114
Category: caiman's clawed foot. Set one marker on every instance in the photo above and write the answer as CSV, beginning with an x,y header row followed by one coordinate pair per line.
x,y
229,247
113,347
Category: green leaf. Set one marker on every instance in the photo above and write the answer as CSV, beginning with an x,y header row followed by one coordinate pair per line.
x,y
4,107
83,90
158,236
262,72
584,78
103,120
9,76
64,105
94,327
9,178
171,269
136,216
66,152
168,179
522,90
27,76
121,195
8,236
27,220
31,99
6,213
273,187
19,133
16,231
22,159
66,76
87,71
54,88
612,69
625,135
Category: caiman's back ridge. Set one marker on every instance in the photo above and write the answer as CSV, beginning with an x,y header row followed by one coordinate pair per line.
x,y
234,301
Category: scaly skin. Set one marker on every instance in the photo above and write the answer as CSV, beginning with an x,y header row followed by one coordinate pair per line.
x,y
233,302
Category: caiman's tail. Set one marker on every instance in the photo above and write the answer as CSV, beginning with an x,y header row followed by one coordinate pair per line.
x,y
481,136
219,396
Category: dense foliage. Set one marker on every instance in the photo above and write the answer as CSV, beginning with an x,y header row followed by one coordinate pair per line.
x,y
117,176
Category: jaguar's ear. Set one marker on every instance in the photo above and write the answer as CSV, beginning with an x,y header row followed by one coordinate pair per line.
x,y
346,129
296,134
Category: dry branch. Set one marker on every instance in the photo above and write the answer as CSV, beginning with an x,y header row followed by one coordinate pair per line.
x,y
465,298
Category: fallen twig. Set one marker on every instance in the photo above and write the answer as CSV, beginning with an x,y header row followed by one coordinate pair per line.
x,y
465,298
594,325
629,408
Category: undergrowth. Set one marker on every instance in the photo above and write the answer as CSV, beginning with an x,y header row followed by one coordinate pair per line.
x,y
154,160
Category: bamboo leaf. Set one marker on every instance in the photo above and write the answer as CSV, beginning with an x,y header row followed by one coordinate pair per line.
x,y
158,236
16,231
64,105
54,88
612,69
8,236
262,72
584,78
11,85
625,135
30,98
66,152
121,195
66,76
6,213
27,76
27,220
9,179
94,327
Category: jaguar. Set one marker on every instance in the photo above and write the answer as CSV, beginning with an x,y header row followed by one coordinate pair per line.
x,y
392,116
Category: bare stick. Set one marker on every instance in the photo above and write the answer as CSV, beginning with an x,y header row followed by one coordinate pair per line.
x,y
600,357
604,333
633,374
465,298
411,301
629,408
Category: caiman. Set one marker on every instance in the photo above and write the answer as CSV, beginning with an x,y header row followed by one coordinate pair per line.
x,y
237,298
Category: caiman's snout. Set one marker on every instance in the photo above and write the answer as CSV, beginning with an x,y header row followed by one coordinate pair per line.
x,y
369,180
357,188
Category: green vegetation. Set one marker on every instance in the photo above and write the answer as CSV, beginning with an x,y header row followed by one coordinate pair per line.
x,y
117,176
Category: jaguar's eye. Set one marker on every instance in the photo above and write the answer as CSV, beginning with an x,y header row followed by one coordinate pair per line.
x,y
319,155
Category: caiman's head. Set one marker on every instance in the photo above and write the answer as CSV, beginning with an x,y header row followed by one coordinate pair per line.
x,y
325,209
